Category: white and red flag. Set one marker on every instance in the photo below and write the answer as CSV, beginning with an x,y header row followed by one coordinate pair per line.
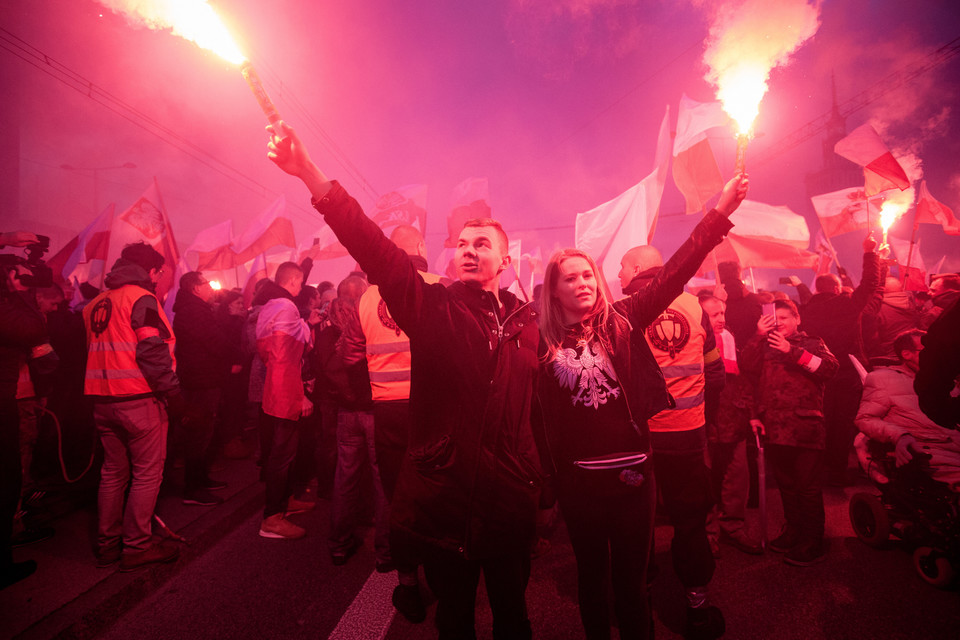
x,y
404,205
844,210
880,169
931,211
910,263
212,249
821,246
469,200
768,236
272,228
257,272
84,258
695,170
629,220
147,221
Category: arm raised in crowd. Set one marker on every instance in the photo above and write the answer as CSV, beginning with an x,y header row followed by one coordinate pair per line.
x,y
384,263
645,305
870,277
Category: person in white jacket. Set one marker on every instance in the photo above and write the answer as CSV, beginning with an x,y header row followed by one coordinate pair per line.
x,y
890,413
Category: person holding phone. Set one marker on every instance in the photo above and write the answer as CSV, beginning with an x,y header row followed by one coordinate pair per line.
x,y
790,370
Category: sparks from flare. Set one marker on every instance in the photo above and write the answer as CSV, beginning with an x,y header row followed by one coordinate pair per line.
x,y
890,212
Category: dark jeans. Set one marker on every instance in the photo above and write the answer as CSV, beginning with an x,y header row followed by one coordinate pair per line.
x,y
454,580
198,426
731,485
684,482
611,537
798,472
841,401
282,436
391,425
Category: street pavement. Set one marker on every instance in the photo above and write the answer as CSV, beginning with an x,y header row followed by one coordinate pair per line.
x,y
230,583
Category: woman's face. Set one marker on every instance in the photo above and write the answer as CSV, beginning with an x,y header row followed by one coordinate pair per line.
x,y
236,307
576,289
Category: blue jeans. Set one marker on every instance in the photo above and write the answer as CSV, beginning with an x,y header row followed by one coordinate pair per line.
x,y
134,437
355,449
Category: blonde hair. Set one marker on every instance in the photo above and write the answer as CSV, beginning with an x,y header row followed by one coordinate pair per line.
x,y
552,327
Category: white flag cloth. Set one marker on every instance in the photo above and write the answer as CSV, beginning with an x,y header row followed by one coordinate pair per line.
x,y
629,220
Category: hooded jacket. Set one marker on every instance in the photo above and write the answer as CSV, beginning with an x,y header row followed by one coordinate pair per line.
x,y
153,355
471,479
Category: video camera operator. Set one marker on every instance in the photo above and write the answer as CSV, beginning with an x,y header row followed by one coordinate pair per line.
x,y
23,341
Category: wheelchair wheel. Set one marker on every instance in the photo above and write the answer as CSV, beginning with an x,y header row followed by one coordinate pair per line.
x,y
869,519
934,567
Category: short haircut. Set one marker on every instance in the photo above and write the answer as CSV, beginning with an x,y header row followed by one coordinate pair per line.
x,y
190,279
907,341
408,238
706,296
142,254
490,222
826,283
286,272
326,285
351,287
789,305
950,282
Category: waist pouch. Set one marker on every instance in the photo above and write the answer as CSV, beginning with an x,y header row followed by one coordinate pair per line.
x,y
612,472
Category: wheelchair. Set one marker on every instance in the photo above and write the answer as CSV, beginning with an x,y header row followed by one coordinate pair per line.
x,y
911,506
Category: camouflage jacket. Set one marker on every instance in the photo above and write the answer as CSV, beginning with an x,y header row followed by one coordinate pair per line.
x,y
789,388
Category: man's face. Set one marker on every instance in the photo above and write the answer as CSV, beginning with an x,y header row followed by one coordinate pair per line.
x,y
787,323
155,275
480,256
716,313
911,357
628,270
295,285
203,290
576,289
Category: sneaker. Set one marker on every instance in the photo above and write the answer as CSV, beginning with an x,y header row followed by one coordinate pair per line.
x,y
31,536
787,540
158,553
340,557
741,542
805,555
202,498
299,506
704,623
108,558
279,528
213,485
407,600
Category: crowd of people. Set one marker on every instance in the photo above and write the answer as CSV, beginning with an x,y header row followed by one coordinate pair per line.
x,y
452,413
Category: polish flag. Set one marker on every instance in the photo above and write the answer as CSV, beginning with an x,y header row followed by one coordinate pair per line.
x,y
270,229
257,272
695,170
824,253
845,210
469,200
769,236
931,211
84,258
404,205
629,220
212,249
443,264
881,170
916,272
147,221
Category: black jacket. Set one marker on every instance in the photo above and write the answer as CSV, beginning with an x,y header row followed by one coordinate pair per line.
x,y
636,367
204,353
471,478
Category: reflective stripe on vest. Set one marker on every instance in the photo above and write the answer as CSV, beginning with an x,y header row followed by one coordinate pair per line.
x,y
676,339
112,368
388,348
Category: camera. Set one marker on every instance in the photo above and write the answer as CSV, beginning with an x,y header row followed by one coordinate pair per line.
x,y
41,275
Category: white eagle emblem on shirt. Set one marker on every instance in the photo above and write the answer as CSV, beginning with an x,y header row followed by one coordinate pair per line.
x,y
590,376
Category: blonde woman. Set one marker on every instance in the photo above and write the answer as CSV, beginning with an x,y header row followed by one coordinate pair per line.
x,y
599,383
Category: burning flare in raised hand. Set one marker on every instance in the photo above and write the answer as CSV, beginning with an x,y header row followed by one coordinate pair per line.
x,y
748,38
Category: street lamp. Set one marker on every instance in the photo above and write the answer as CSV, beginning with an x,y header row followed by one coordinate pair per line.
x,y
96,178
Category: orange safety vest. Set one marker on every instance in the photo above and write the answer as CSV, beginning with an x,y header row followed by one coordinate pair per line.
x,y
112,368
388,348
676,339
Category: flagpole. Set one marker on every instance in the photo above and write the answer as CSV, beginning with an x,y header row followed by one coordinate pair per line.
x,y
836,260
913,240
516,270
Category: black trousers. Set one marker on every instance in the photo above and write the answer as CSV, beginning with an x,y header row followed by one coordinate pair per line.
x,y
611,536
283,436
798,473
684,482
454,580
10,477
198,426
